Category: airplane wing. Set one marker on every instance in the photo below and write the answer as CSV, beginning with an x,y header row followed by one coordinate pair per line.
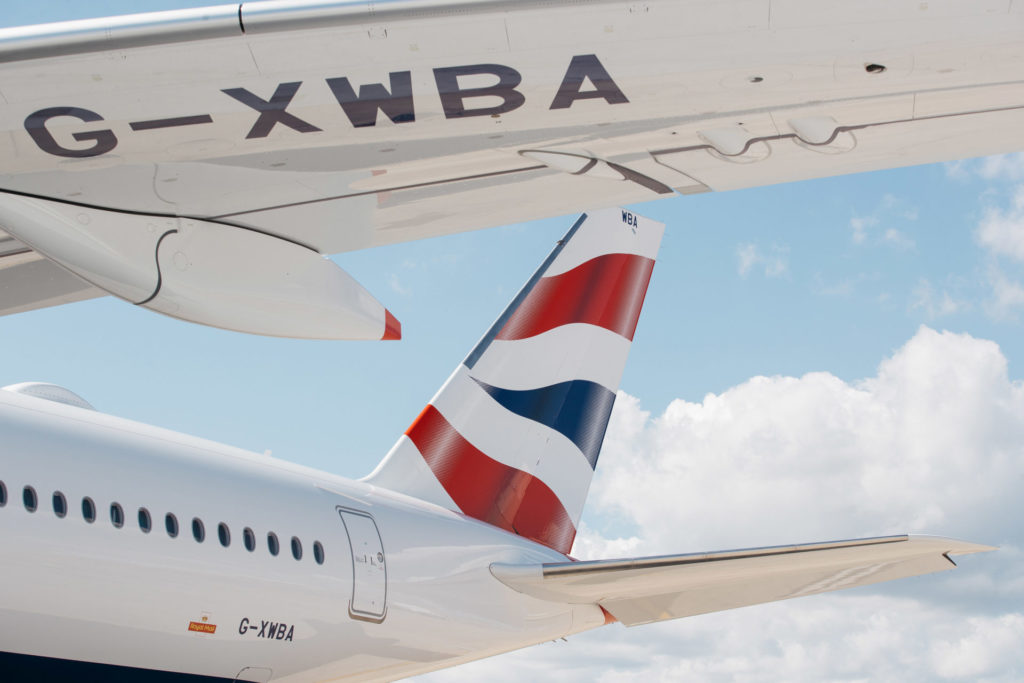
x,y
339,126
29,281
643,590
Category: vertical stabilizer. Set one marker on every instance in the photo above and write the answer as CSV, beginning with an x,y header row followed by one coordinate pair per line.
x,y
513,436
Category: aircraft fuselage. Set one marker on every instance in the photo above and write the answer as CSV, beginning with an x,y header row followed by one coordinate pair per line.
x,y
109,591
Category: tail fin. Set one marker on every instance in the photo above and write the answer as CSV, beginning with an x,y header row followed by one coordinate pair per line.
x,y
513,436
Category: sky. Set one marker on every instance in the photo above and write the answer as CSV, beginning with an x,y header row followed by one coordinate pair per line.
x,y
821,360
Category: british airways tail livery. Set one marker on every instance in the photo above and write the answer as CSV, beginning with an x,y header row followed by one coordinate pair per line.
x,y
513,436
135,553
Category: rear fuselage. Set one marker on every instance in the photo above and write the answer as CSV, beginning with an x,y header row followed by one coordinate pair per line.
x,y
422,597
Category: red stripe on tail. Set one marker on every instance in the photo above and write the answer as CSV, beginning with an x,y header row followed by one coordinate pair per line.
x,y
488,490
607,291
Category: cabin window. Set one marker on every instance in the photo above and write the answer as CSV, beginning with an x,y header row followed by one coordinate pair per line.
x,y
88,510
198,530
117,518
116,515
171,524
60,504
3,494
28,497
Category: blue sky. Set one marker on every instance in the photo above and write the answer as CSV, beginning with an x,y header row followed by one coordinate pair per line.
x,y
831,276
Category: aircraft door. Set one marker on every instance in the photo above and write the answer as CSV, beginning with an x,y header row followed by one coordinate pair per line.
x,y
369,571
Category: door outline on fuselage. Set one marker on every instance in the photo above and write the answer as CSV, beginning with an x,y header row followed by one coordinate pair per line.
x,y
376,558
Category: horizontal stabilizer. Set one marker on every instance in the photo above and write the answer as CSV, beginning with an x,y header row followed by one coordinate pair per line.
x,y
642,590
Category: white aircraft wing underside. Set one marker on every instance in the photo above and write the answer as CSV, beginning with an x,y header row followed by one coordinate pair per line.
x,y
643,590
29,281
344,125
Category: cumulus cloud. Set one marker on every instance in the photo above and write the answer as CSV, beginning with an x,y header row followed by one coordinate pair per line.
x,y
815,456
933,443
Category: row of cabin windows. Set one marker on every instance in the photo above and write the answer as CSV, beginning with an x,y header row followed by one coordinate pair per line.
x,y
117,518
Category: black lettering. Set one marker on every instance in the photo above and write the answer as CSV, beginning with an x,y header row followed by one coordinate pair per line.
x,y
263,629
453,98
581,68
272,629
362,109
280,631
272,111
291,632
243,626
35,124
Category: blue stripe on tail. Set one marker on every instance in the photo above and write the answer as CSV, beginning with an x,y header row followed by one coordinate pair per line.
x,y
577,409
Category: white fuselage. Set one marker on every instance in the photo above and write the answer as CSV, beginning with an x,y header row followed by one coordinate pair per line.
x,y
82,591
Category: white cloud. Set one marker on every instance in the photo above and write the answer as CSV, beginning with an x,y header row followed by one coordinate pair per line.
x,y
397,286
887,454
1007,294
1002,167
897,239
933,443
934,305
990,644
860,226
747,256
775,261
1006,167
831,637
873,229
959,170
1002,231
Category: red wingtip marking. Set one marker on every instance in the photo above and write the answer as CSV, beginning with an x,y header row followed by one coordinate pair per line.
x,y
392,328
608,617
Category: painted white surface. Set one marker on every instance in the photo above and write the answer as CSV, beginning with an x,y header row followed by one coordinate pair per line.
x,y
718,94
118,595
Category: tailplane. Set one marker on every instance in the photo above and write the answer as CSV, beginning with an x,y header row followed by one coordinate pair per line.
x,y
513,436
